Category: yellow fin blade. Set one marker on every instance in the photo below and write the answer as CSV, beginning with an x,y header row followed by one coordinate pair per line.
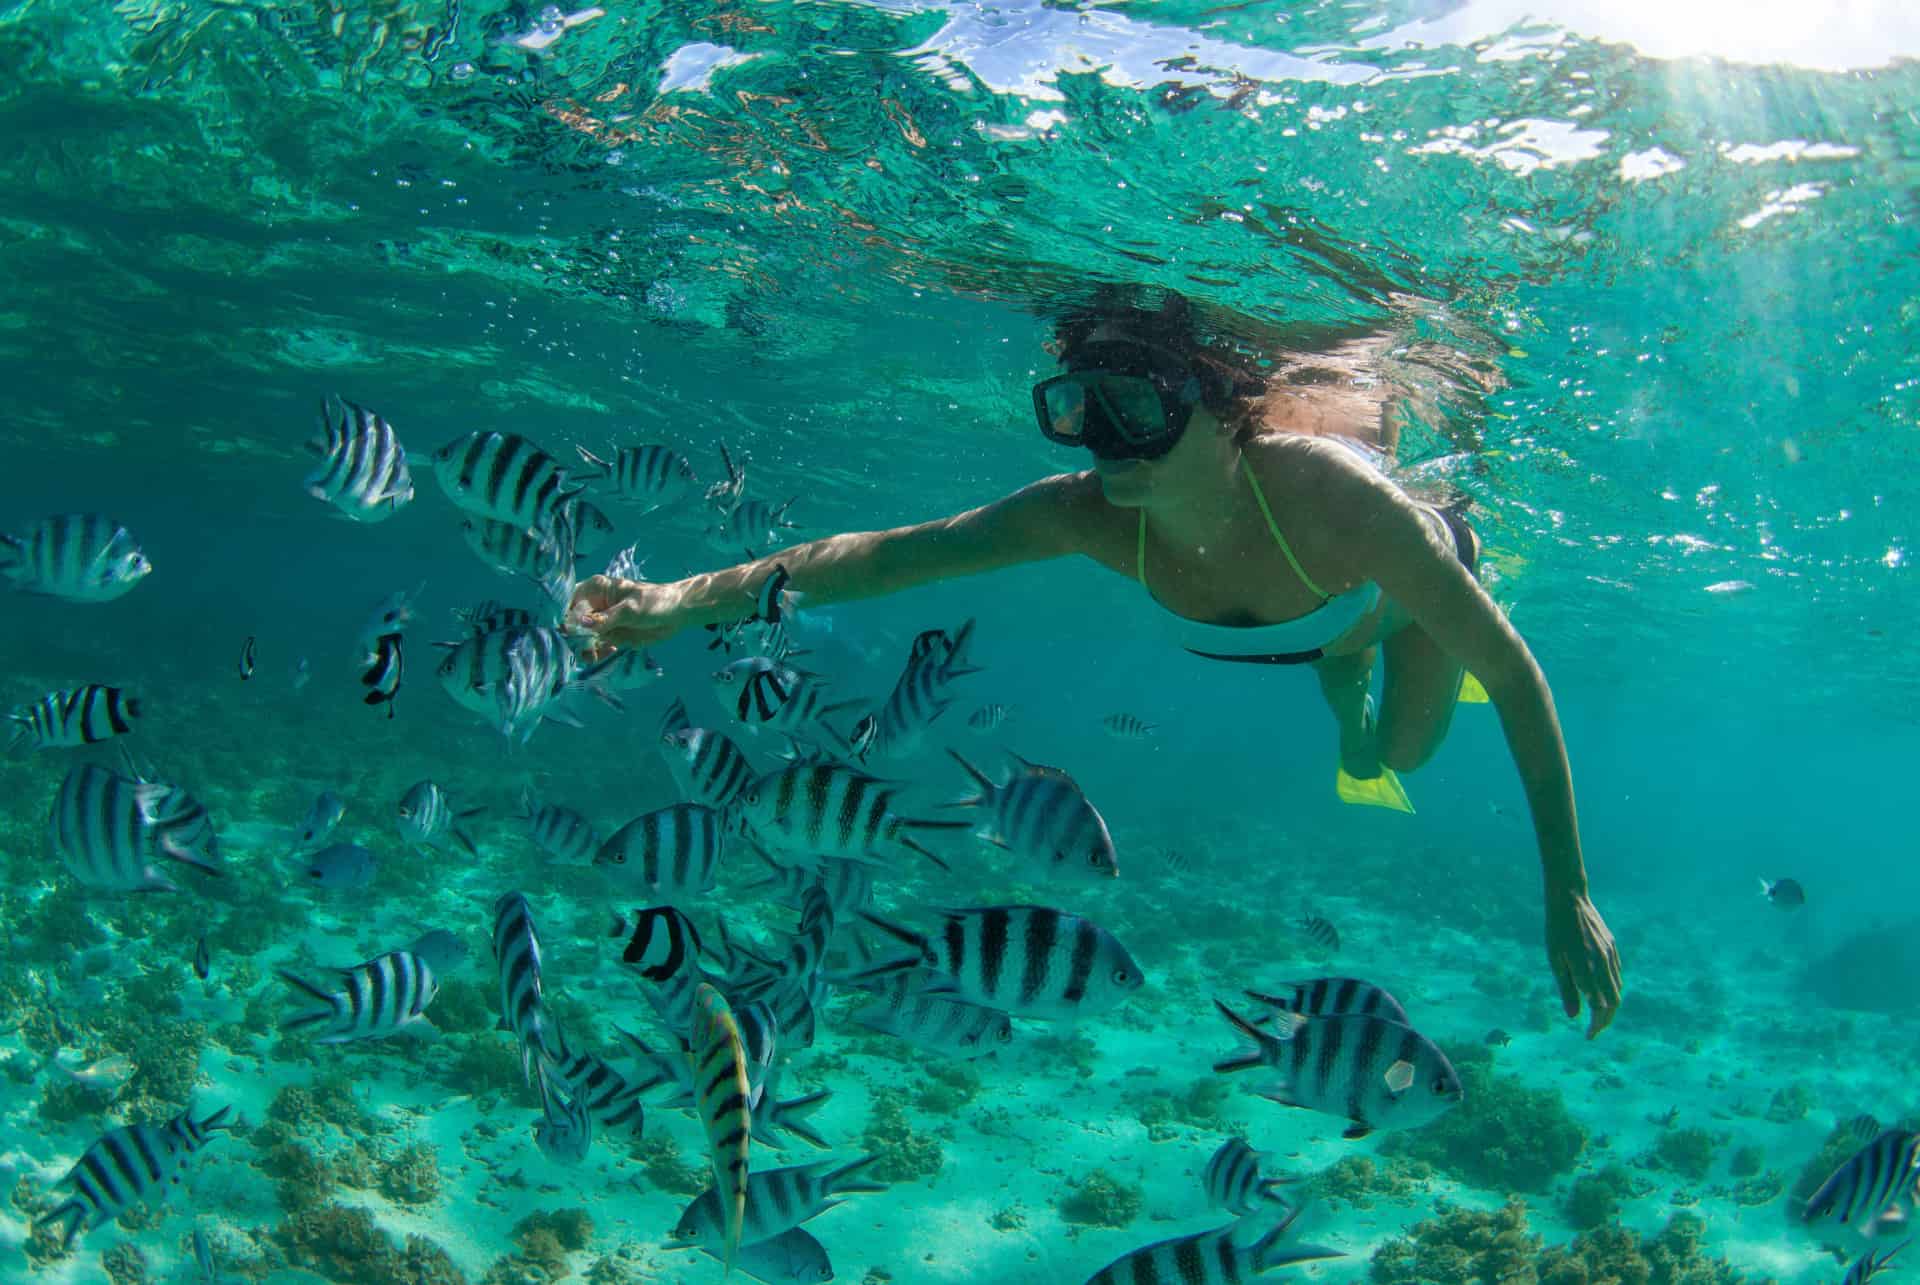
x,y
1383,791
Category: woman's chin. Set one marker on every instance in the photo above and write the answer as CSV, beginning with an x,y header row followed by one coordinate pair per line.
x,y
1127,488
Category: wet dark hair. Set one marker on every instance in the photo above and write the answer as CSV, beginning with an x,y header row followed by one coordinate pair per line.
x,y
1212,341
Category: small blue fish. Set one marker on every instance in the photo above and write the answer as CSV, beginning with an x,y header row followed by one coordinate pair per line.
x,y
443,951
322,817
203,1258
344,865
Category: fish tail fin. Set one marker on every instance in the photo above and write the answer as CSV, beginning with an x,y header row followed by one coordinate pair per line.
x,y
837,1182
72,1215
958,666
602,468
1271,1251
1260,1038
791,1115
312,1016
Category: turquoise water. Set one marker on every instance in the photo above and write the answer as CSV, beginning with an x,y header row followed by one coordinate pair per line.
x,y
1646,291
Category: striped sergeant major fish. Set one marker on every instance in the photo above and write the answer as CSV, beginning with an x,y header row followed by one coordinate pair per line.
x,y
751,526
109,831
516,959
534,664
387,995
1211,1257
670,854
248,656
386,666
362,471
509,550
674,718
764,693
630,670
1127,727
82,557
922,693
848,884
390,615
777,1201
1233,1180
609,1097
83,716
427,818
128,1165
561,833
941,1024
488,616
1032,961
505,477
707,767
588,528
1871,1264
1320,932
1325,996
724,494
989,717
1873,1187
1374,1073
650,475
564,1132
1040,814
721,1096
813,810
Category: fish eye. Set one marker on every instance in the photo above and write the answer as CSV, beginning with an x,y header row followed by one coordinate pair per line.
x,y
1122,976
1004,1035
1094,859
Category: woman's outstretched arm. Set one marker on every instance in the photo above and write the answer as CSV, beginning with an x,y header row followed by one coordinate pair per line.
x,y
1037,522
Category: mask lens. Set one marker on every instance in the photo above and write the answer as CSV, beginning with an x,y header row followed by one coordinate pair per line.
x,y
1135,405
1063,411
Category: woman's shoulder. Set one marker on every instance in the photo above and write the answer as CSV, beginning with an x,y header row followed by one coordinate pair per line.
x,y
1312,462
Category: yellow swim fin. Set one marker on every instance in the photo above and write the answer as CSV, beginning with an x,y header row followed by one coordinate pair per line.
x,y
1471,692
1383,791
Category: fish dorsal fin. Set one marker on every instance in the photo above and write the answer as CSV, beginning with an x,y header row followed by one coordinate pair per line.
x,y
1043,770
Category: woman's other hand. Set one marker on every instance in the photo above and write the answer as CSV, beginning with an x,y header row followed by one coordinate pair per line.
x,y
621,613
1585,961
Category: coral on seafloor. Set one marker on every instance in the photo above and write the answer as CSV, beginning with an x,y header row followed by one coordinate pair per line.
x,y
1100,1200
667,1169
901,1152
411,1176
125,1265
1687,1152
1503,1137
1357,1180
1474,1247
342,1244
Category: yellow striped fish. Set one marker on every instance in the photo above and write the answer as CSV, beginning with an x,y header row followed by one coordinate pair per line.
x,y
720,1092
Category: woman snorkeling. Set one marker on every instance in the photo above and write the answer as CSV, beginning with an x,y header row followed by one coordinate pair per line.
x,y
1270,540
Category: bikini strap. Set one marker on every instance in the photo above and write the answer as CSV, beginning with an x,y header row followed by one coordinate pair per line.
x,y
1140,552
1281,540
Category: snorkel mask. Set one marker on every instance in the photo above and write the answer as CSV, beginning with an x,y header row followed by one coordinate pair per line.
x,y
1121,399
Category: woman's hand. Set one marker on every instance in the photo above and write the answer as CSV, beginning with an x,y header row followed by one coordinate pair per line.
x,y
1584,960
621,613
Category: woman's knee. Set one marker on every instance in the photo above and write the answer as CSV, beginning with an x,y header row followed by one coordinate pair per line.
x,y
1408,741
